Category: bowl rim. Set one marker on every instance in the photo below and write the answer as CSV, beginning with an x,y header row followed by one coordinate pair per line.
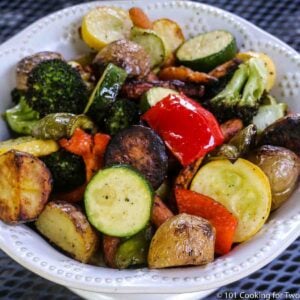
x,y
285,242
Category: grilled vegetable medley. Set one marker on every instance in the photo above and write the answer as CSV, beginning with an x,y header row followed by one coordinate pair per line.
x,y
150,150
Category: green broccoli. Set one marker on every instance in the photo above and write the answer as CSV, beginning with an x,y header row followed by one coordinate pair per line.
x,y
54,86
67,169
21,118
242,95
121,115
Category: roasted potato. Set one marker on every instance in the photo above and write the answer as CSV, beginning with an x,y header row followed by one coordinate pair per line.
x,y
282,167
25,184
182,240
67,227
27,64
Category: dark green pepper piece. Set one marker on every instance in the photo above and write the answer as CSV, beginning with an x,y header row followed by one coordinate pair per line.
x,y
134,251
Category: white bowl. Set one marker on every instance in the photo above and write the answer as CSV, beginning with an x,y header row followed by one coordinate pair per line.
x,y
59,32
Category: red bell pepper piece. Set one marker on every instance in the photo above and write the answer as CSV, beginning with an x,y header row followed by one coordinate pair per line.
x,y
203,206
90,148
189,130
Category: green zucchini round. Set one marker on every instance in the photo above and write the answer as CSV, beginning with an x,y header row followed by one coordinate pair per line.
x,y
207,51
118,201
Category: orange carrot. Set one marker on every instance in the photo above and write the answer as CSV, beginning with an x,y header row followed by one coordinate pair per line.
x,y
139,18
110,247
185,74
90,148
203,206
160,212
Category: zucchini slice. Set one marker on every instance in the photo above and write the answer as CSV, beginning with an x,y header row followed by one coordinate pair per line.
x,y
242,187
206,51
118,201
153,96
105,92
151,42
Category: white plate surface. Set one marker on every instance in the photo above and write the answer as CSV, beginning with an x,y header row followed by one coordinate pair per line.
x,y
59,32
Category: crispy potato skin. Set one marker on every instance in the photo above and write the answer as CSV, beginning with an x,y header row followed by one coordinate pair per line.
x,y
25,184
142,148
66,226
190,241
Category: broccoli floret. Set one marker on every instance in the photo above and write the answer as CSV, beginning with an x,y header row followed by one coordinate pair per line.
x,y
242,95
21,118
67,169
121,115
54,86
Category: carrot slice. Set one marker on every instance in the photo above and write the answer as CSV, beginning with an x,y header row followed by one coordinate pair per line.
x,y
203,206
139,18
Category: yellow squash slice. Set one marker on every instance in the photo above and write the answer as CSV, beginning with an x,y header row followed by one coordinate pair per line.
x,y
104,25
242,188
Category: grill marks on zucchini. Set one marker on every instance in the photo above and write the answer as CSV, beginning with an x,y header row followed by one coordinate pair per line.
x,y
141,148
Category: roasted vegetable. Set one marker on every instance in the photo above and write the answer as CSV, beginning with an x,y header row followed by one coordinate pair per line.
x,y
105,24
28,63
59,125
187,75
110,247
127,55
30,145
118,201
269,112
121,115
230,128
242,95
160,212
285,133
134,251
90,148
54,86
190,241
66,226
136,88
205,207
67,169
21,118
242,187
208,50
139,18
282,167
225,69
244,140
268,62
105,92
25,184
152,43
225,151
141,148
171,35
189,130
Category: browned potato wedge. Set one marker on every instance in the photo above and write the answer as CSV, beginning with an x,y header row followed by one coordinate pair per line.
x,y
67,227
25,184
190,241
